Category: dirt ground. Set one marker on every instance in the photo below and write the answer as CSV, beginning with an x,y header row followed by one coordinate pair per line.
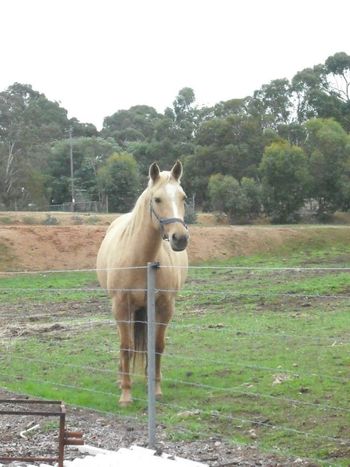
x,y
27,244
33,436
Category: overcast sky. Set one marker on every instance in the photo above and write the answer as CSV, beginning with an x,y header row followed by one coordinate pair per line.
x,y
98,56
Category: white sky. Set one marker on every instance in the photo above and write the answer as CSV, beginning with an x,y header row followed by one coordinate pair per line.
x,y
98,56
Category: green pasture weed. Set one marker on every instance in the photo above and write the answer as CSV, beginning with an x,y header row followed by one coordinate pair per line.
x,y
6,220
6,258
29,220
92,220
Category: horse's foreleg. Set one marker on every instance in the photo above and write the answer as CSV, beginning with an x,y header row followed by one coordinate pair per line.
x,y
124,367
160,344
162,318
126,349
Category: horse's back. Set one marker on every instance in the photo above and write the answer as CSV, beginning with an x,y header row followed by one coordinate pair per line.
x,y
107,256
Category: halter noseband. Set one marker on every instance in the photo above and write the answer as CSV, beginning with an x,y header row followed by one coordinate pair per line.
x,y
165,221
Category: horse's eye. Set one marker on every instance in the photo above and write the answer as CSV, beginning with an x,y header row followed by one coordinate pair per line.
x,y
157,200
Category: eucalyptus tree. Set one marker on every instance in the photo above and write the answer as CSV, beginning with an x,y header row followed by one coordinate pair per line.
x,y
241,202
118,180
29,122
327,147
136,124
272,103
88,155
323,91
232,145
285,181
337,68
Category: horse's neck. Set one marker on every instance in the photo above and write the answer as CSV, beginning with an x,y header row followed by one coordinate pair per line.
x,y
146,239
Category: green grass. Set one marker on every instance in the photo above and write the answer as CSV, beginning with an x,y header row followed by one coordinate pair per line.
x,y
252,355
47,287
312,246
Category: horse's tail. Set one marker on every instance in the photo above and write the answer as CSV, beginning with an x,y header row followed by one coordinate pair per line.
x,y
140,338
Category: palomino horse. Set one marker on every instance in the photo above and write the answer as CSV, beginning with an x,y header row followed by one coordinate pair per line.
x,y
154,231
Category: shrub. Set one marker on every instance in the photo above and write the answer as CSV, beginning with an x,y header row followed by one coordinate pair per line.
x,y
50,220
29,220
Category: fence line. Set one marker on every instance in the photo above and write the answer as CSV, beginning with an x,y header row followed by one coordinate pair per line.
x,y
264,423
223,268
235,390
182,294
238,335
196,432
72,386
278,370
227,417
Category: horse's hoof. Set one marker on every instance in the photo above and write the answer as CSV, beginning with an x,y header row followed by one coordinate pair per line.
x,y
125,403
125,398
159,396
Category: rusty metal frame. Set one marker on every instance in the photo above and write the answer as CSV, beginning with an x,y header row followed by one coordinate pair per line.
x,y
65,438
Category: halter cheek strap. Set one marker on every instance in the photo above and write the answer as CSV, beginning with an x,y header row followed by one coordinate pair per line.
x,y
165,221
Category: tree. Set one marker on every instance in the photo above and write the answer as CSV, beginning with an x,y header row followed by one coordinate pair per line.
x,y
337,68
118,179
272,103
318,96
328,150
231,107
89,153
285,180
183,104
241,202
185,115
338,65
252,191
134,125
28,123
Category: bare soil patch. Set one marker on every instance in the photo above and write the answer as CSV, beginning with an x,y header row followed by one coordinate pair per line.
x,y
40,247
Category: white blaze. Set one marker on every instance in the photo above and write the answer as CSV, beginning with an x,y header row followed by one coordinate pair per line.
x,y
171,192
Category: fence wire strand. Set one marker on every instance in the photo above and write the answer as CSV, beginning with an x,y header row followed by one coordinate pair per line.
x,y
89,321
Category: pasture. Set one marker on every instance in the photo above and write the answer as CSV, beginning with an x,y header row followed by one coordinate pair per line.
x,y
257,352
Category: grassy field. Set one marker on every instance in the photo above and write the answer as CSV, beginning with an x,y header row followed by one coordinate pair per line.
x,y
258,351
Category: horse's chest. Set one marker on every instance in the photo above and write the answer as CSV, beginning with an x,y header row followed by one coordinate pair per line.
x,y
168,282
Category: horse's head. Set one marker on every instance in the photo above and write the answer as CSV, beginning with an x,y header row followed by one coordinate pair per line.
x,y
167,205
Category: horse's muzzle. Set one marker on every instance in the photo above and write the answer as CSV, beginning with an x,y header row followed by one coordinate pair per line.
x,y
179,242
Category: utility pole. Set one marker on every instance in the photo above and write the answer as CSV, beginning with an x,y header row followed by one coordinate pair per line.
x,y
71,167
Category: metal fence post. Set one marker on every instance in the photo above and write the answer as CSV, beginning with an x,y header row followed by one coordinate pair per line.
x,y
151,352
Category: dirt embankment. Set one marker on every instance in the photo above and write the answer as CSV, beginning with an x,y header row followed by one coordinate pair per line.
x,y
55,241
38,247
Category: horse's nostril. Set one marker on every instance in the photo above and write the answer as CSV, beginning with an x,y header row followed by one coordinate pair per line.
x,y
179,242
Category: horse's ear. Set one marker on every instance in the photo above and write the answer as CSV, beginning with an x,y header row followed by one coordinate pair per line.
x,y
154,171
176,171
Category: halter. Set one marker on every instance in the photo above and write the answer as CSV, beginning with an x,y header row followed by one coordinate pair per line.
x,y
165,221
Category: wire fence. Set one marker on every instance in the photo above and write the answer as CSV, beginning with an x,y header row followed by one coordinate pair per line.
x,y
253,354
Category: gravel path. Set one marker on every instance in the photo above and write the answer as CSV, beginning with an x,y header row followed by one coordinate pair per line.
x,y
37,436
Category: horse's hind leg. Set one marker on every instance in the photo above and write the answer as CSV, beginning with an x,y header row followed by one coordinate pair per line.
x,y
122,315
